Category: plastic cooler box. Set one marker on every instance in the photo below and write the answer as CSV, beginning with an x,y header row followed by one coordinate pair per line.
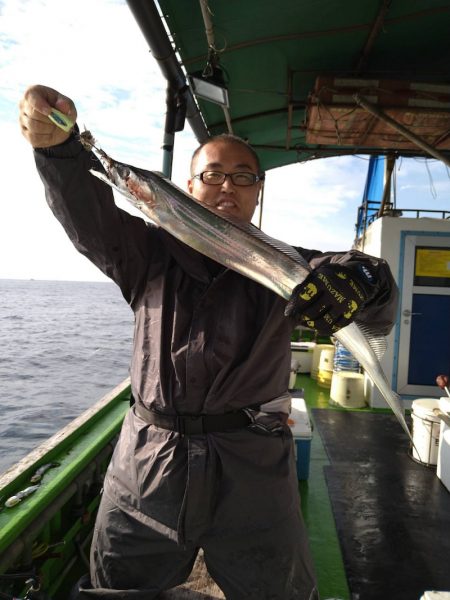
x,y
302,432
302,353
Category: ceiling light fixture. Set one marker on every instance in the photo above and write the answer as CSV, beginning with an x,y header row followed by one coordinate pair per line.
x,y
210,88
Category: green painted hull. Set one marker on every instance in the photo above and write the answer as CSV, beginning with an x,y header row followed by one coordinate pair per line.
x,y
46,536
49,532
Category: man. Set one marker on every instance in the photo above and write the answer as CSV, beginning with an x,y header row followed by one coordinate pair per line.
x,y
209,342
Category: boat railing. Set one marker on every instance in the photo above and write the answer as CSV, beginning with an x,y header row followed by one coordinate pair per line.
x,y
44,537
369,212
413,212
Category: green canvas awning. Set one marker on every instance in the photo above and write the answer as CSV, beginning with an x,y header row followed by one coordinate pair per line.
x,y
271,55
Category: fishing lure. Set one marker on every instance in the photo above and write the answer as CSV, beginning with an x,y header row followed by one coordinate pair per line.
x,y
37,476
13,500
61,120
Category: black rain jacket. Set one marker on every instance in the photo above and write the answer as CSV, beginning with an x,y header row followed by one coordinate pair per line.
x,y
206,340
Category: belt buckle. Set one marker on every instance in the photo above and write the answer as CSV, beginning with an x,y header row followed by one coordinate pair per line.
x,y
190,424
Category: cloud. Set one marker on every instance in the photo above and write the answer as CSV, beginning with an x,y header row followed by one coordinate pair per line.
x,y
312,205
95,53
32,243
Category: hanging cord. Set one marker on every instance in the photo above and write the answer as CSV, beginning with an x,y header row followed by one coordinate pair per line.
x,y
41,551
33,589
213,64
394,188
430,177
32,592
324,107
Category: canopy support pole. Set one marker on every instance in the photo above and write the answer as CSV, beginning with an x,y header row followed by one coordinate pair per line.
x,y
374,110
390,162
374,33
175,118
151,24
261,206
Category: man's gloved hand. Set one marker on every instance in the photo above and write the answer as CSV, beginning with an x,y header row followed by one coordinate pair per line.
x,y
331,296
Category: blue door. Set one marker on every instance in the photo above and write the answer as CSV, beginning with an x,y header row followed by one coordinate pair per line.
x,y
423,350
430,339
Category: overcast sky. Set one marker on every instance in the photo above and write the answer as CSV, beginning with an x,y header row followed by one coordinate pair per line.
x,y
93,52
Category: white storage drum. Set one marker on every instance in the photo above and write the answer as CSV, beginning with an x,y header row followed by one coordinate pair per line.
x,y
347,389
302,352
317,351
443,462
325,367
425,430
344,360
292,378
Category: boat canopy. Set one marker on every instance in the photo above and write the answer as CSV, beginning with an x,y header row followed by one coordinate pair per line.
x,y
306,79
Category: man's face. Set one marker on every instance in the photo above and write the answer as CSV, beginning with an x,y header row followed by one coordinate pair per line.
x,y
231,199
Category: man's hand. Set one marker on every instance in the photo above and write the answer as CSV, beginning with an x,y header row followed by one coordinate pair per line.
x,y
331,296
35,106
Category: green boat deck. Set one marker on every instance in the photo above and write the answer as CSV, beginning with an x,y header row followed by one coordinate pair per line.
x,y
316,505
375,515
317,511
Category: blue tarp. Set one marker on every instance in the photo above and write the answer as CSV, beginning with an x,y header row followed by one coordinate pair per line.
x,y
373,193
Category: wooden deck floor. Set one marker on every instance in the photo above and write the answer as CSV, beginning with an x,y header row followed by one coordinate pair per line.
x,y
199,586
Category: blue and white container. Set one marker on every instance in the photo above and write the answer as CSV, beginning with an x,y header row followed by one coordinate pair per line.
x,y
344,360
302,432
443,461
425,430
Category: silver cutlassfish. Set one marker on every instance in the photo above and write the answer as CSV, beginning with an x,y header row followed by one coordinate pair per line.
x,y
237,245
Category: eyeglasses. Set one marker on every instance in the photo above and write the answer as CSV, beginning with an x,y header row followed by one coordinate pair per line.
x,y
217,178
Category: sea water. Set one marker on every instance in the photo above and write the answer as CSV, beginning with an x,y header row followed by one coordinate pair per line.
x,y
63,345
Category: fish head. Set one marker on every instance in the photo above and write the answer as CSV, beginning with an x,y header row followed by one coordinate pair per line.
x,y
116,172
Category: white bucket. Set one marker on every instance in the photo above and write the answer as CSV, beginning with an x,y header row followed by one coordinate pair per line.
x,y
325,367
317,351
425,430
292,379
302,352
347,389
443,462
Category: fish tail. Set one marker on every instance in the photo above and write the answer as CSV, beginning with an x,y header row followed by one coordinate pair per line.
x,y
360,345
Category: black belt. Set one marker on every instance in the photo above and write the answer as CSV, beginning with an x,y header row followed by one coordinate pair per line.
x,y
194,424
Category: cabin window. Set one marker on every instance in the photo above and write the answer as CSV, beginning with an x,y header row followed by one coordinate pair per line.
x,y
432,266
